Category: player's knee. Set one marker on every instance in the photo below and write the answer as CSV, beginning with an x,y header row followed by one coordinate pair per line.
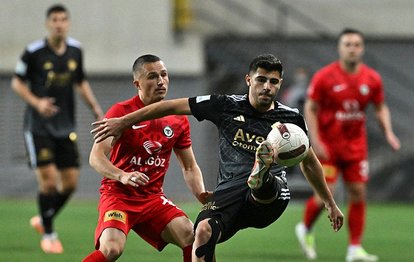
x,y
203,231
207,235
111,250
188,235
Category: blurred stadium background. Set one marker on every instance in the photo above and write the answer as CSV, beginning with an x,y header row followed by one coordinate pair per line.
x,y
207,46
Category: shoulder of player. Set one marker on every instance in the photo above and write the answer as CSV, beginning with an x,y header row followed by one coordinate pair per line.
x,y
282,107
370,71
36,45
233,99
72,42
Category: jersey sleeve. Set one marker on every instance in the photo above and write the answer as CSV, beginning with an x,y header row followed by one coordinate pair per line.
x,y
184,140
22,66
80,76
116,110
208,107
378,93
315,86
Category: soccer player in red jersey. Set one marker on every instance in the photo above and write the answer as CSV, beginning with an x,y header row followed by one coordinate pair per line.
x,y
338,96
131,190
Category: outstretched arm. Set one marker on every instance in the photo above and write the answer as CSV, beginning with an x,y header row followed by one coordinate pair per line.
x,y
312,169
115,126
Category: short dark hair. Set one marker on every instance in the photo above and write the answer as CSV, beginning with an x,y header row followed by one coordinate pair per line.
x,y
140,61
58,8
346,31
268,62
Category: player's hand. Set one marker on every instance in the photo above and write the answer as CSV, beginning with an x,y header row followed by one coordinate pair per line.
x,y
335,216
46,107
107,127
134,179
204,196
393,141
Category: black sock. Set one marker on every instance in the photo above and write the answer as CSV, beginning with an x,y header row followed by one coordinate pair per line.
x,y
60,200
47,210
268,190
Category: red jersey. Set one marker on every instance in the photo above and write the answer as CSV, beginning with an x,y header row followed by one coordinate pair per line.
x,y
342,99
145,147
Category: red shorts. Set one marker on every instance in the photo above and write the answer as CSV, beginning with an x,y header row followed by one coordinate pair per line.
x,y
354,171
147,216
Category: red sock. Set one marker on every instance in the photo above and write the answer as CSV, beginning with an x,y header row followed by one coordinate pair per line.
x,y
187,253
312,211
356,221
95,256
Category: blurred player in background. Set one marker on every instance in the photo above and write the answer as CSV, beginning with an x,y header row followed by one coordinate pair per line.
x,y
131,192
244,197
295,94
335,112
45,77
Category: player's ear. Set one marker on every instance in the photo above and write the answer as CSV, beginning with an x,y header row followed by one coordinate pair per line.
x,y
136,84
248,80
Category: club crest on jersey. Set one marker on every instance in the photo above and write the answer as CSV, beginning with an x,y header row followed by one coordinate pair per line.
x,y
152,147
72,65
364,89
168,132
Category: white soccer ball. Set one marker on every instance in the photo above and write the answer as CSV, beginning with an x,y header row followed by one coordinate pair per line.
x,y
289,142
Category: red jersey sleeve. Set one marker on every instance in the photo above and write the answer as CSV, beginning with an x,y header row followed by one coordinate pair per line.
x,y
184,140
314,91
378,90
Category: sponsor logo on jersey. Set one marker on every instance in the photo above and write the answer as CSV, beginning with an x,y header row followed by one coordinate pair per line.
x,y
152,147
246,140
240,118
115,215
351,111
168,132
339,88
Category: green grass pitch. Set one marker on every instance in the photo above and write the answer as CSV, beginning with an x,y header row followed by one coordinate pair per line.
x,y
388,234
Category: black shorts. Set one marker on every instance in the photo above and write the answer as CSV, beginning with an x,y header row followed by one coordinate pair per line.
x,y
43,150
234,209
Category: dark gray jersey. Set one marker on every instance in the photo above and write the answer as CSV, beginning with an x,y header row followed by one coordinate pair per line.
x,y
241,129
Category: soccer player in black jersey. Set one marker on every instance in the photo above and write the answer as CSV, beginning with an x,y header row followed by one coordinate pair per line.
x,y
244,197
45,78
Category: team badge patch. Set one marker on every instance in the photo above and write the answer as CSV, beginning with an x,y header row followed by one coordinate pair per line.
x,y
72,65
115,215
364,90
168,132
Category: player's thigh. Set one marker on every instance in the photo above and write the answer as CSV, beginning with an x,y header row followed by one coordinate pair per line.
x,y
47,176
157,214
179,232
69,178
